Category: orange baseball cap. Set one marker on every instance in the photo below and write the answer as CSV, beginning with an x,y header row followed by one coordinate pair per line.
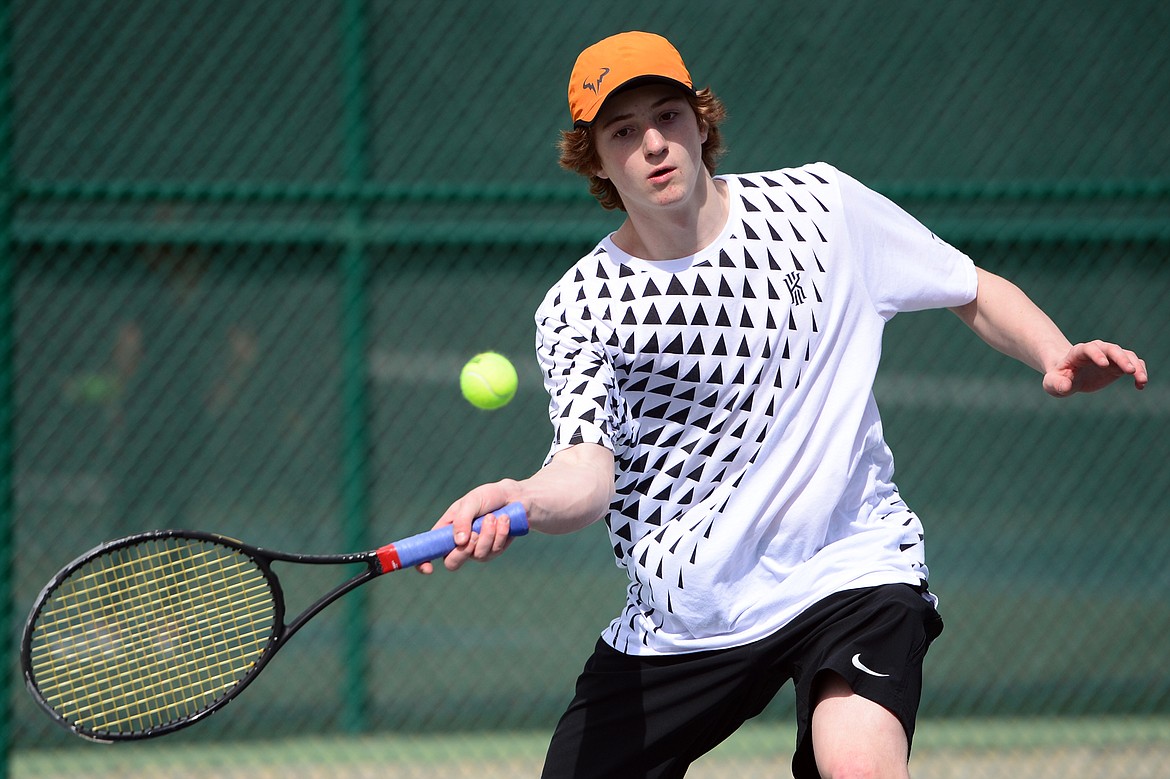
x,y
617,61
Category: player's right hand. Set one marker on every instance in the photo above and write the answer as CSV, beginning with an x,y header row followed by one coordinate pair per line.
x,y
493,537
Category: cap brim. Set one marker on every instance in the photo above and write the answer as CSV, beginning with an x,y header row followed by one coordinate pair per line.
x,y
633,83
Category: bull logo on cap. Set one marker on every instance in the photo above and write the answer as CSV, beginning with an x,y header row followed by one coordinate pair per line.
x,y
595,85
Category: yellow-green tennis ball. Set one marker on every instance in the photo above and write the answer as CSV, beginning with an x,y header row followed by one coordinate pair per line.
x,y
488,381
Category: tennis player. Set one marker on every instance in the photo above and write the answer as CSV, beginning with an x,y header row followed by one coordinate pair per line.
x,y
710,367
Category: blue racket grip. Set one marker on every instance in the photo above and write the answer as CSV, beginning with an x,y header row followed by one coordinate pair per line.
x,y
439,542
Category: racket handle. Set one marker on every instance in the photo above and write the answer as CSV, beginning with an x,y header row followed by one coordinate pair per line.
x,y
441,541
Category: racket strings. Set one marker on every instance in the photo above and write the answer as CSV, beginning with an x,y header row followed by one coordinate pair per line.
x,y
151,634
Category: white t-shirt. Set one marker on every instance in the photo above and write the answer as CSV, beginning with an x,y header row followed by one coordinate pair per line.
x,y
734,388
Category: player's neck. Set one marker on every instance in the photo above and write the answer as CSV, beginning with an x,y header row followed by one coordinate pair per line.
x,y
680,231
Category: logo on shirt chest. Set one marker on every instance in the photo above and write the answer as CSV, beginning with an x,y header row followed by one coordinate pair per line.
x,y
792,282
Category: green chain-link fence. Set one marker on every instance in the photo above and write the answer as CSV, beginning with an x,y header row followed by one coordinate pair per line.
x,y
247,246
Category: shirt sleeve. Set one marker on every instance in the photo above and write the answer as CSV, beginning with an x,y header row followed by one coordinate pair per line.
x,y
578,375
904,265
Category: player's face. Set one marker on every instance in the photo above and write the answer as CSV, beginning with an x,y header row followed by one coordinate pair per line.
x,y
650,145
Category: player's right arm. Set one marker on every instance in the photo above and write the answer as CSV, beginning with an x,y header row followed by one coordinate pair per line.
x,y
574,490
571,492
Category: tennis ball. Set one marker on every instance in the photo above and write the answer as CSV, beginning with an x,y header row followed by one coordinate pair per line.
x,y
488,380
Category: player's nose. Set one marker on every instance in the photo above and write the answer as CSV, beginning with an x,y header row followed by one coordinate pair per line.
x,y
653,142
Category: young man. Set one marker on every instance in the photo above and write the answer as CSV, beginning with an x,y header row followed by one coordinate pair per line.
x,y
710,367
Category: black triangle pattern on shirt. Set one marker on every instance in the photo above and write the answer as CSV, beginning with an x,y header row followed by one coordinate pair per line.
x,y
695,366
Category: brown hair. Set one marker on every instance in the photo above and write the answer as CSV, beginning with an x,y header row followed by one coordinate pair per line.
x,y
579,152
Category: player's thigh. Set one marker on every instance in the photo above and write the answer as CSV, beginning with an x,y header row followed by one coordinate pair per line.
x,y
651,717
865,666
853,736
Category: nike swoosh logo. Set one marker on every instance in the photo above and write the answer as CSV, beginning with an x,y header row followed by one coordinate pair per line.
x,y
861,667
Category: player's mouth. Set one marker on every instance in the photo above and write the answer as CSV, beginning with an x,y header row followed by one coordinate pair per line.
x,y
659,175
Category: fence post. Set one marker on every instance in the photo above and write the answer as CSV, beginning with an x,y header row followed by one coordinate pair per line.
x,y
354,396
7,378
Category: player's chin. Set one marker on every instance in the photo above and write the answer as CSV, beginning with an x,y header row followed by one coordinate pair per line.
x,y
670,197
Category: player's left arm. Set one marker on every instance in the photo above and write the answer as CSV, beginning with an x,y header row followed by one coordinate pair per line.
x,y
1007,319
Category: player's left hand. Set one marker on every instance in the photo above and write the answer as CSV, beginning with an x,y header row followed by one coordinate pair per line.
x,y
1094,365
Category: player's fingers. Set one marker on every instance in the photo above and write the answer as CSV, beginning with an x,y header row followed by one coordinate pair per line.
x,y
1108,353
1090,353
460,517
503,534
464,511
455,560
492,538
1140,376
1124,362
1129,362
450,519
493,543
1057,384
486,538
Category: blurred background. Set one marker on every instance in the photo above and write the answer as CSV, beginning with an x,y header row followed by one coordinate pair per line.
x,y
245,248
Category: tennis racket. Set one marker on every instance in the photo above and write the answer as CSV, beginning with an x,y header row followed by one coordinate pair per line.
x,y
150,633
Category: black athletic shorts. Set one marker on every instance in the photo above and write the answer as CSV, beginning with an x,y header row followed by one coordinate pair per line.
x,y
653,716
